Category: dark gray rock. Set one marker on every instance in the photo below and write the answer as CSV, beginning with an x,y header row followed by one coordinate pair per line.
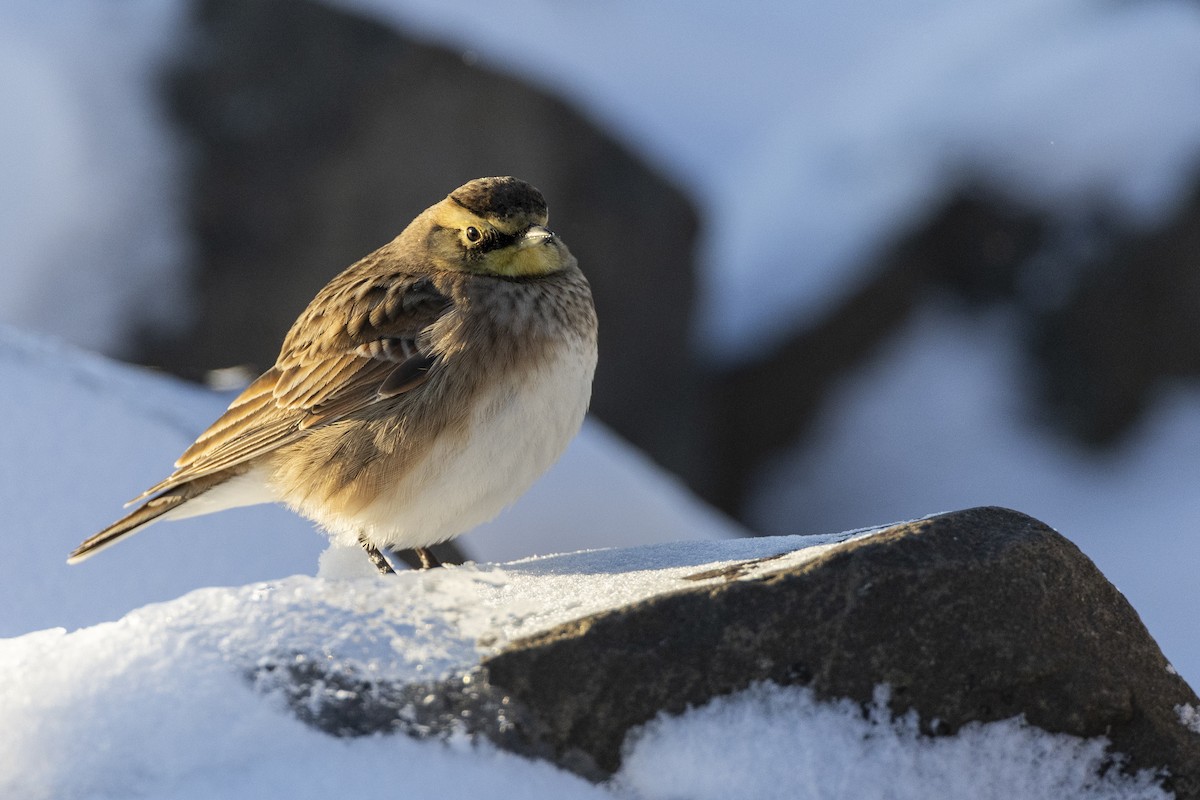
x,y
317,134
978,615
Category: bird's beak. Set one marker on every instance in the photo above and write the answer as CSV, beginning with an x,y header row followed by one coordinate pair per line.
x,y
537,234
529,256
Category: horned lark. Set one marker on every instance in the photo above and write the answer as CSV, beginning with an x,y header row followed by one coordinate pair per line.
x,y
422,390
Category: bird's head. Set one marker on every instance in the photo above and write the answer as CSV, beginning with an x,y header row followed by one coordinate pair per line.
x,y
492,226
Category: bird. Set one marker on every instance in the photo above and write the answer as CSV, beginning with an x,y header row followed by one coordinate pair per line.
x,y
423,389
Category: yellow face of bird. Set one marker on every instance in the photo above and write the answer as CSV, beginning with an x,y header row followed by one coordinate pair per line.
x,y
490,226
516,246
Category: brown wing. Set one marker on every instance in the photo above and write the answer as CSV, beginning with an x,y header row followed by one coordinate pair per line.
x,y
360,341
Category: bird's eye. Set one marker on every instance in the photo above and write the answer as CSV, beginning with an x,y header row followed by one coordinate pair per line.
x,y
473,234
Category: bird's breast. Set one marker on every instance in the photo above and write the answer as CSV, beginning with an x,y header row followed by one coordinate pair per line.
x,y
515,428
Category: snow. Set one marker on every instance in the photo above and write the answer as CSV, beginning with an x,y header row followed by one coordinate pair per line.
x,y
936,423
413,626
1189,717
717,752
1064,102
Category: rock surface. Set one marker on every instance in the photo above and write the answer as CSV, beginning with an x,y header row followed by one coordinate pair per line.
x,y
977,615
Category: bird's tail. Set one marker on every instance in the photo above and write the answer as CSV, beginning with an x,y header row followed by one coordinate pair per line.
x,y
132,522
239,486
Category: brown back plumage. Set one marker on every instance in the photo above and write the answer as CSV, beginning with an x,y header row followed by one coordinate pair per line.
x,y
367,338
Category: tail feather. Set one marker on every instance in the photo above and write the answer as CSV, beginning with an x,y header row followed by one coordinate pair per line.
x,y
241,486
132,522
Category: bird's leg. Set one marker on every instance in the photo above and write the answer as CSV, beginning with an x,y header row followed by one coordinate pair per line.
x,y
428,559
377,558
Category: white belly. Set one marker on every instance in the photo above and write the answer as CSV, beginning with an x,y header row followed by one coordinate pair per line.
x,y
521,429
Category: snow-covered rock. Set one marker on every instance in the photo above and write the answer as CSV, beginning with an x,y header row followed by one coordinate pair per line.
x,y
968,617
204,695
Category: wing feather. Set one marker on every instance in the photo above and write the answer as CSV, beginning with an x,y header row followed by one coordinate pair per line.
x,y
245,408
305,384
359,330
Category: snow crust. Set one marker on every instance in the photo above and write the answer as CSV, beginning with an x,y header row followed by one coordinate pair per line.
x,y
717,751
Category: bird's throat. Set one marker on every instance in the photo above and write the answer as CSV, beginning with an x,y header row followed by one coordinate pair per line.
x,y
528,262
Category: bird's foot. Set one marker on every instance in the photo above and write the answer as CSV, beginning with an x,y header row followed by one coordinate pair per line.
x,y
414,558
428,559
377,558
